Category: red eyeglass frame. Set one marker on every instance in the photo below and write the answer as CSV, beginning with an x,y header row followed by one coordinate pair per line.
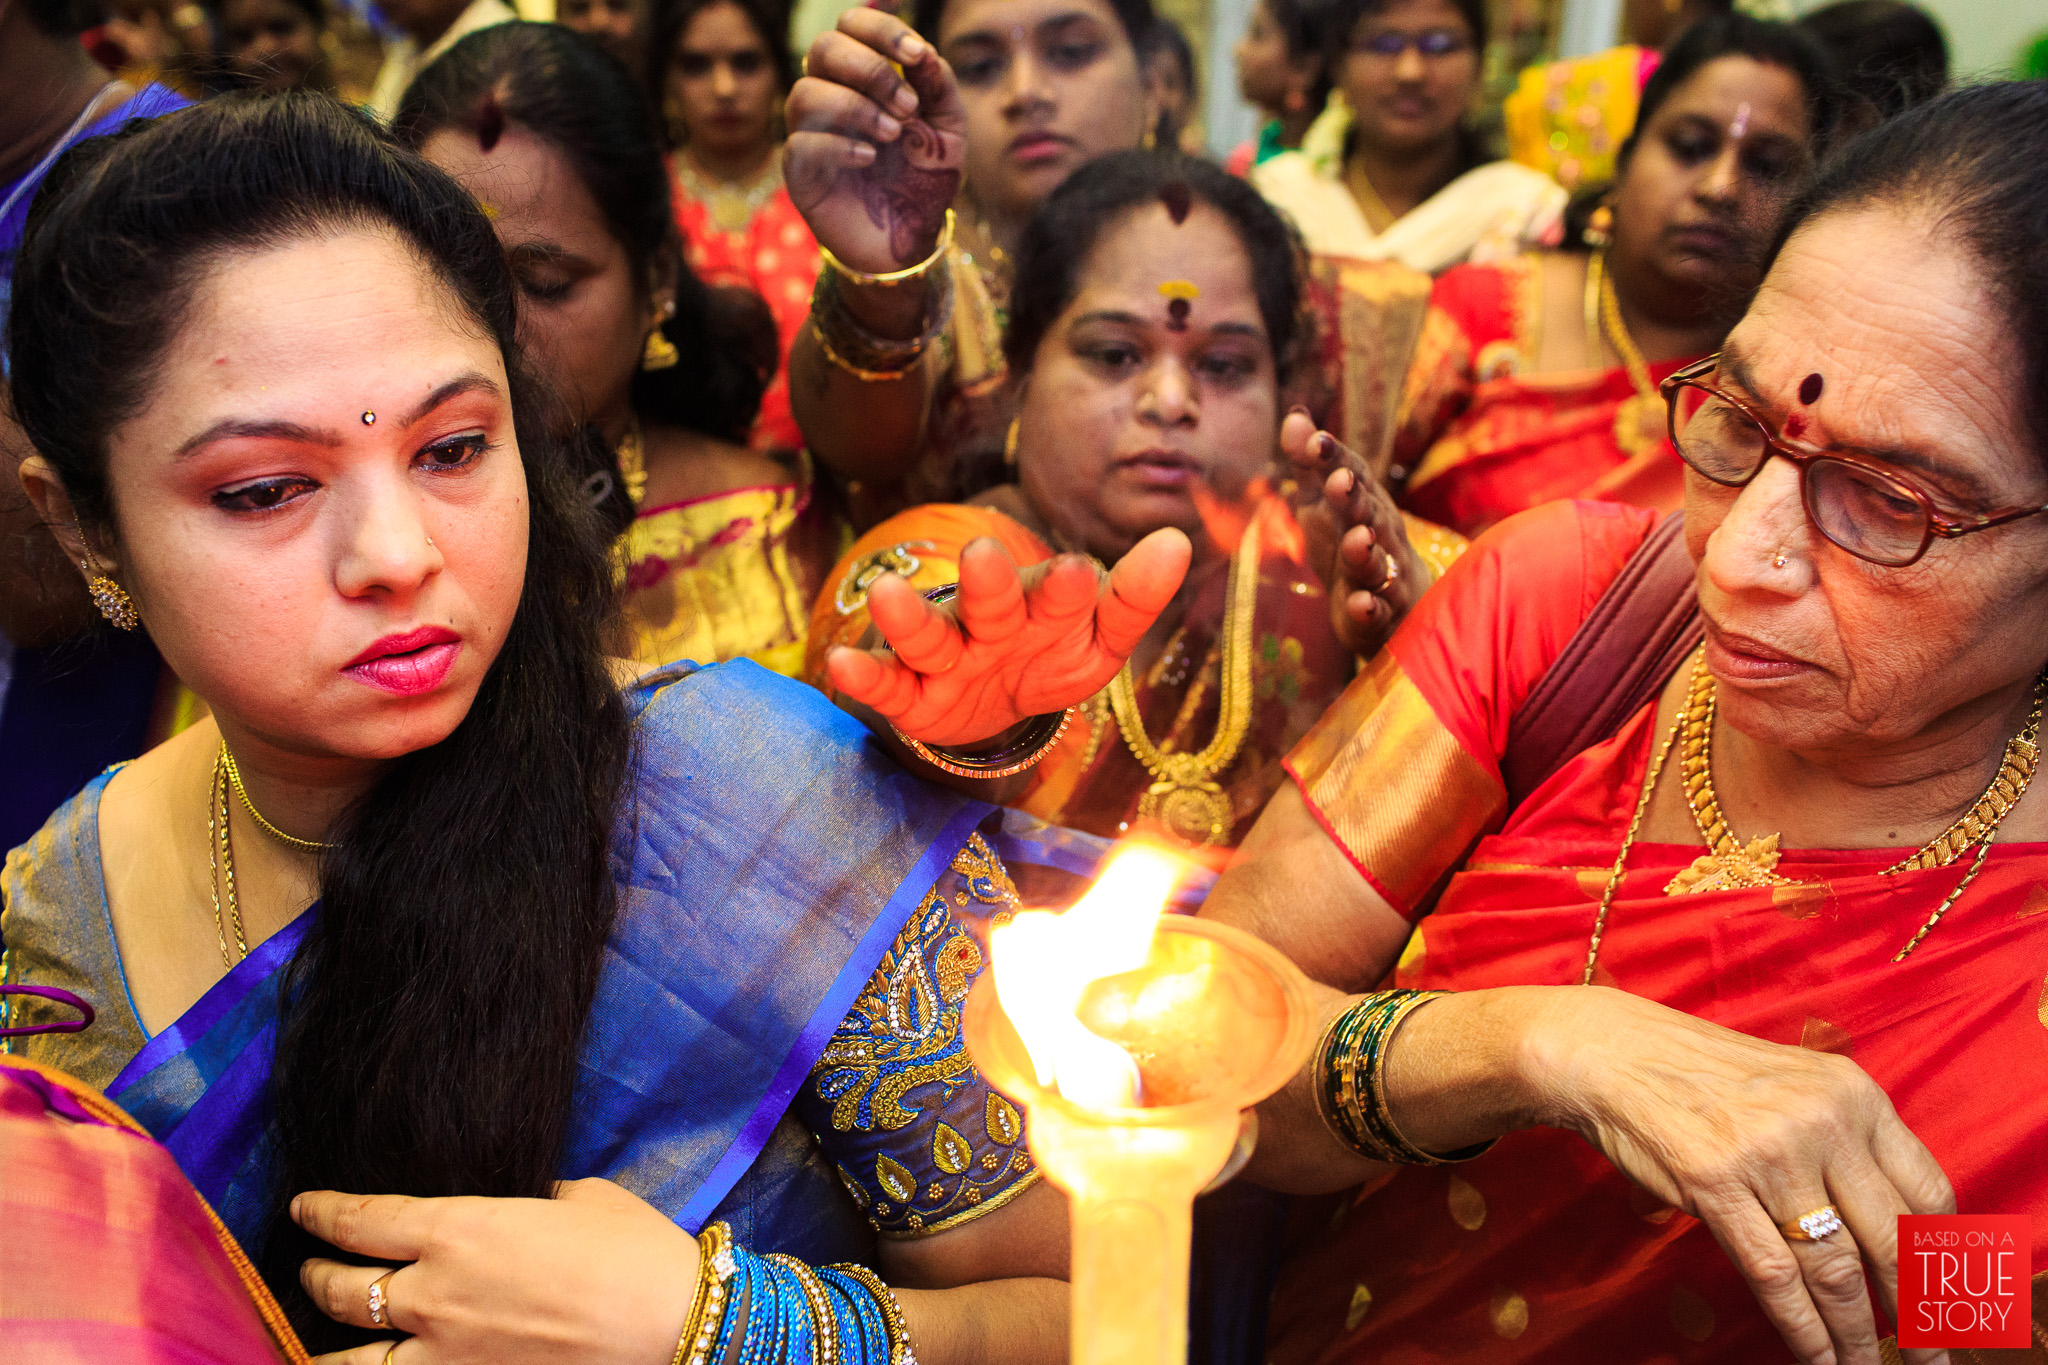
x,y
1801,457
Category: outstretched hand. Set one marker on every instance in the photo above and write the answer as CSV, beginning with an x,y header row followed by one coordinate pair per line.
x,y
877,141
1013,644
1357,542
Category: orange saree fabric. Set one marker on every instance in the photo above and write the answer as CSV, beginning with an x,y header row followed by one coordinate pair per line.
x,y
107,1251
1092,781
1480,437
1539,1252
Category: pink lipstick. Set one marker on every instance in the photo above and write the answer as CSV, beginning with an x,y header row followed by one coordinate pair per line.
x,y
407,664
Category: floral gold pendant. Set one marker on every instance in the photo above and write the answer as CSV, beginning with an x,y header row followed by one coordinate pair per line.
x,y
1187,803
1732,867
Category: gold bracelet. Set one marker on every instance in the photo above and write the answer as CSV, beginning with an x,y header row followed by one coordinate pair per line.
x,y
892,1312
866,376
707,1305
890,278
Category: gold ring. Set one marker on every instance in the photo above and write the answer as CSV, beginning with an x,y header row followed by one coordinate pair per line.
x,y
1817,1226
380,1302
390,1353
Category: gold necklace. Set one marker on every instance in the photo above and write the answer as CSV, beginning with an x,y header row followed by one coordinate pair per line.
x,y
1975,827
1378,217
1728,864
220,848
632,456
1185,796
732,204
1639,421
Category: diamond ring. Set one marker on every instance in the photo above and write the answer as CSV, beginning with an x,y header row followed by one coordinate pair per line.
x,y
379,1303
1817,1226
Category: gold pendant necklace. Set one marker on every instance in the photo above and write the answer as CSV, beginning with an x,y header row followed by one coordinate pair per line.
x,y
1639,421
1185,796
731,204
1728,864
1975,828
220,848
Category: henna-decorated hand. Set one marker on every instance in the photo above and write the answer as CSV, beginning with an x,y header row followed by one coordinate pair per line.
x,y
1357,542
1012,644
874,158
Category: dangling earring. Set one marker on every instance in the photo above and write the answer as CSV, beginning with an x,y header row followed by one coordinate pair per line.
x,y
1150,141
1010,442
110,597
1599,227
660,353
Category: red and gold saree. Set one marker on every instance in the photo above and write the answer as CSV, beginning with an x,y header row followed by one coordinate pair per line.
x,y
1480,437
1540,1252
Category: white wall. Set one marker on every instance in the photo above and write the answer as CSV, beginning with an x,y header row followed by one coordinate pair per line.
x,y
1985,37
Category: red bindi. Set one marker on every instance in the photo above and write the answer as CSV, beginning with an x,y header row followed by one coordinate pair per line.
x,y
1177,315
1809,388
1794,424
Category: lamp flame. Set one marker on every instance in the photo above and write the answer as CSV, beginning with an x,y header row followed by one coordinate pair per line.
x,y
1045,962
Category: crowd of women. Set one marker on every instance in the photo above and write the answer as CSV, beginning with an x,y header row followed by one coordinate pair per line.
x,y
553,611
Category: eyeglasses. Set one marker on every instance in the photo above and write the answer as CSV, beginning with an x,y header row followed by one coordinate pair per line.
x,y
1431,42
1858,503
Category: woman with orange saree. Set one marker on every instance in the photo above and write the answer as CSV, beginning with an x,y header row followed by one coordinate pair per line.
x,y
1153,323
1734,972
1536,377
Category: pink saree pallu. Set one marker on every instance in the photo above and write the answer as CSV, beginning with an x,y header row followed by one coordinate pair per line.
x,y
107,1253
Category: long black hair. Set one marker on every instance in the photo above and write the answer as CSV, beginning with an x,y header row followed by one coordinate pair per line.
x,y
433,1012
579,99
1971,160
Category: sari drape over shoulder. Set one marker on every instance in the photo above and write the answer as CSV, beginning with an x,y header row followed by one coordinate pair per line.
x,y
107,1254
788,899
1540,1251
1480,437
1489,212
1091,780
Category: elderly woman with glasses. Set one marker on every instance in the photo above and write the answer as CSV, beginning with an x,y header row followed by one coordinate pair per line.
x,y
1692,869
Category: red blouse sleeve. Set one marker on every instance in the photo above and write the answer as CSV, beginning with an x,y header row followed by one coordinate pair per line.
x,y
1404,770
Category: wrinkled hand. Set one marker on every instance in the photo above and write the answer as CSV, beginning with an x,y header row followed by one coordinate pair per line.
x,y
874,158
593,1275
1746,1135
1357,542
1012,644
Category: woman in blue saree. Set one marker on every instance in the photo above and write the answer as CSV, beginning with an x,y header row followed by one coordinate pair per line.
x,y
433,906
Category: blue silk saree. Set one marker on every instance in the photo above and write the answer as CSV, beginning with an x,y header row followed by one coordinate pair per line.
x,y
771,860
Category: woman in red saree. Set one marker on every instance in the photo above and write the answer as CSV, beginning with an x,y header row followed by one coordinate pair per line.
x,y
1741,976
1536,377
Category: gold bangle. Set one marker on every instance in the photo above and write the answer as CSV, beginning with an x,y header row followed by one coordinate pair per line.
x,y
892,1312
891,278
707,1305
866,376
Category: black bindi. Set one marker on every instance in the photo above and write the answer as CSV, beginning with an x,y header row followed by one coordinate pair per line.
x,y
1178,201
1809,388
1177,315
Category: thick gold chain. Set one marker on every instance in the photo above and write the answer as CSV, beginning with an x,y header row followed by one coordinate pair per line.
x,y
1693,731
1186,782
220,857
633,462
1636,420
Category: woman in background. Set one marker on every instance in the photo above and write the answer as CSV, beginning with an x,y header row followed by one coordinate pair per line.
x,y
1391,170
617,26
721,69
1536,378
1281,73
899,385
724,549
1154,323
275,44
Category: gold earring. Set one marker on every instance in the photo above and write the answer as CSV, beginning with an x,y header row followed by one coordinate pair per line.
x,y
110,597
660,353
1010,442
1600,227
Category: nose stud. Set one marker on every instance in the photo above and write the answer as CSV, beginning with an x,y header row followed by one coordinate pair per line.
x,y
369,419
1778,560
